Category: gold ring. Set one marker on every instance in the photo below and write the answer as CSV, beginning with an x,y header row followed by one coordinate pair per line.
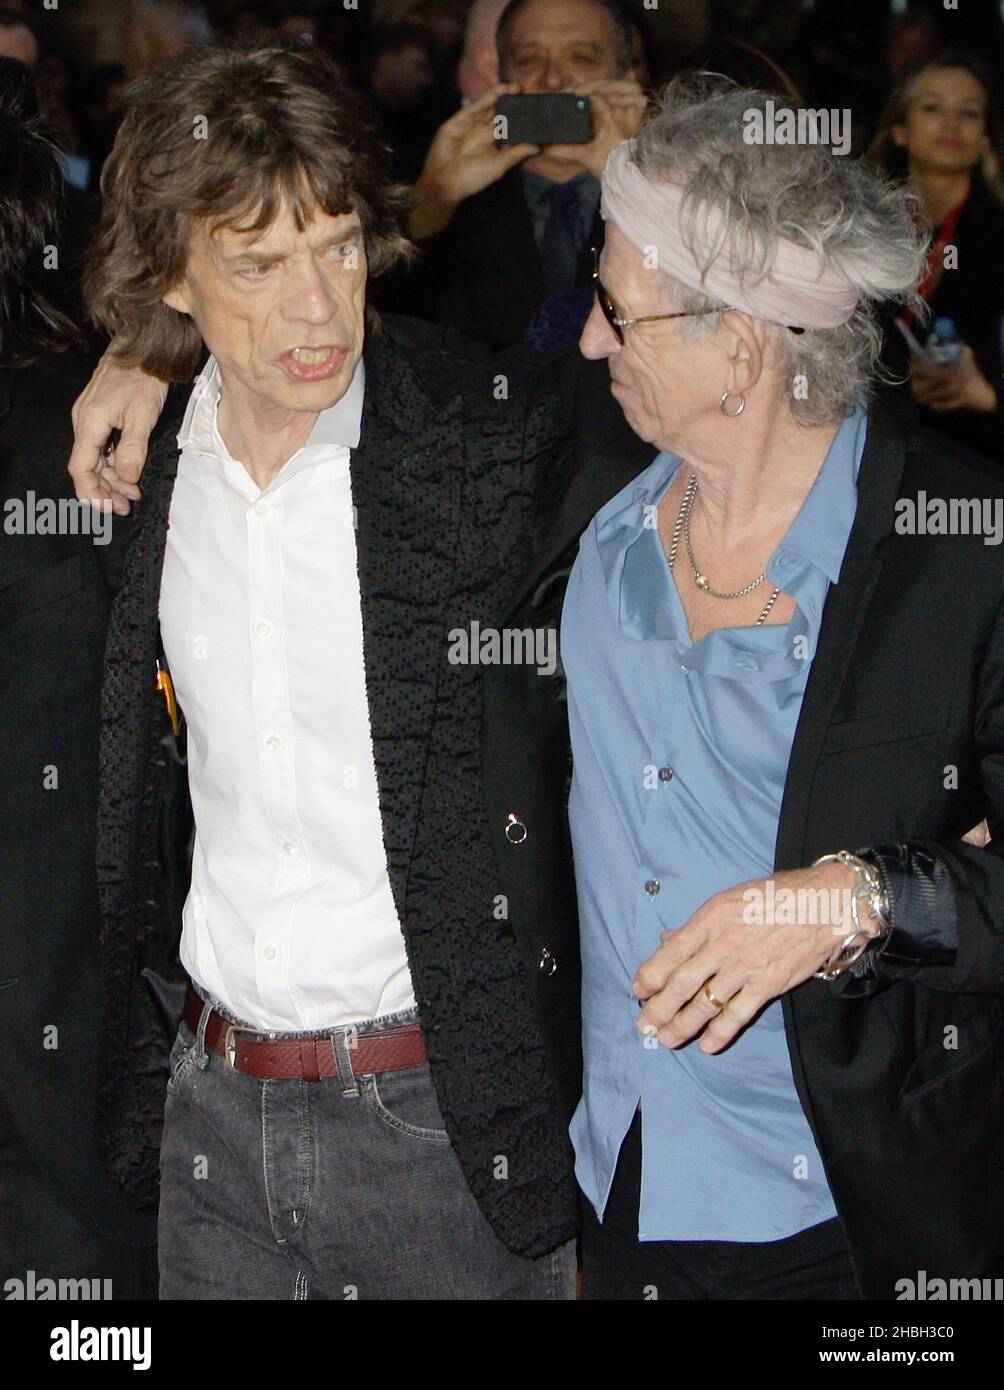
x,y
710,996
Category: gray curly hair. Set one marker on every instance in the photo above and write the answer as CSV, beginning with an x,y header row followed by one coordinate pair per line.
x,y
838,206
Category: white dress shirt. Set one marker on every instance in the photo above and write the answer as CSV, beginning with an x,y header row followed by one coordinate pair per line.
x,y
290,922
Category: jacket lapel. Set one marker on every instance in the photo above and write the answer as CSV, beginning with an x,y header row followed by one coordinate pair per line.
x,y
128,691
607,456
843,613
407,475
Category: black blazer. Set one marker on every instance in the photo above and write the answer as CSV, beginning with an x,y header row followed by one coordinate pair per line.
x,y
446,482
907,685
54,600
900,745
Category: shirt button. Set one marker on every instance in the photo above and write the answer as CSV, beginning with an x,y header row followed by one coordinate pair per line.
x,y
652,887
683,668
263,629
261,509
547,964
291,848
273,743
665,774
270,953
515,830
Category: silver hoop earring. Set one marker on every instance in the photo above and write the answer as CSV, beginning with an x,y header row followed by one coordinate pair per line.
x,y
731,413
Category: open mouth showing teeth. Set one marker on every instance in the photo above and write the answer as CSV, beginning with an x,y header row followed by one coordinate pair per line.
x,y
313,356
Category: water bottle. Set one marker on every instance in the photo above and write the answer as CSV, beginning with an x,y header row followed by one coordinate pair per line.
x,y
943,346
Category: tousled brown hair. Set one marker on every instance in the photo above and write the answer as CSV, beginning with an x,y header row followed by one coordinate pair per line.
x,y
281,127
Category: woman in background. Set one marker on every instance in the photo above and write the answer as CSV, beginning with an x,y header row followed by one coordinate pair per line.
x,y
938,130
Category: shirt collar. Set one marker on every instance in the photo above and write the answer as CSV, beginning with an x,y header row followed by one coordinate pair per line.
x,y
819,533
338,427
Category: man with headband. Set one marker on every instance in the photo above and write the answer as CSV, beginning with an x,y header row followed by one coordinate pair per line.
x,y
736,714
785,712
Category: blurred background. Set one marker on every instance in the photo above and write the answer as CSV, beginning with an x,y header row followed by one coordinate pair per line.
x,y
508,257
405,53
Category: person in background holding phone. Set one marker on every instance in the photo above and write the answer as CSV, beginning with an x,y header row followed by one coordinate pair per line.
x,y
938,127
505,228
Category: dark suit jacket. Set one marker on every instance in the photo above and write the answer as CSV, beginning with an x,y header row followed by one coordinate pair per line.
x,y
53,613
900,745
483,274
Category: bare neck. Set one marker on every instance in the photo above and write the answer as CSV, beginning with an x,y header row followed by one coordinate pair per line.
x,y
263,441
756,486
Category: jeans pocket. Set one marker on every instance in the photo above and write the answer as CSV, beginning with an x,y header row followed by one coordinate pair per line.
x,y
405,1101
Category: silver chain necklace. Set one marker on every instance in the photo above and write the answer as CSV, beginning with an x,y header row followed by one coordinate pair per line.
x,y
701,580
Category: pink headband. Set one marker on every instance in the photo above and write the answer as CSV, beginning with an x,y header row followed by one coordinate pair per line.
x,y
800,289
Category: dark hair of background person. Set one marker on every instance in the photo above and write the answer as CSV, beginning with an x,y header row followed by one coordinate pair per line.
x,y
31,213
630,36
747,65
893,159
253,19
285,129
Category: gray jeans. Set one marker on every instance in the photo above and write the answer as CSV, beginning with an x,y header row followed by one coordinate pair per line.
x,y
344,1188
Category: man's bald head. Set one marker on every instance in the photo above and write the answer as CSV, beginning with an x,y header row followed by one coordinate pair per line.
x,y
479,64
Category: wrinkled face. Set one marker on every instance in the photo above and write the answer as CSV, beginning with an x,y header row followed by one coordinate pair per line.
x,y
944,127
556,44
282,310
666,384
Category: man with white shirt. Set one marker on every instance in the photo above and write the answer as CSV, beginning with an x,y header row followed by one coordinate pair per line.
x,y
359,1103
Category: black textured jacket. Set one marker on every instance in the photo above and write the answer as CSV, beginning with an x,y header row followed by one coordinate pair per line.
x,y
452,469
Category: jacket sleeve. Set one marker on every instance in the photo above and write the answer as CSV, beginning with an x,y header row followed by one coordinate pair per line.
x,y
947,899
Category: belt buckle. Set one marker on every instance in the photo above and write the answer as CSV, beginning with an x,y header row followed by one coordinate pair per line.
x,y
230,1045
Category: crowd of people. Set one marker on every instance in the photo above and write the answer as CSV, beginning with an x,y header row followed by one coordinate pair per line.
x,y
353,949
506,233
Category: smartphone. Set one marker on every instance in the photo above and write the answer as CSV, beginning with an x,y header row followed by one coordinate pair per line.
x,y
543,118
